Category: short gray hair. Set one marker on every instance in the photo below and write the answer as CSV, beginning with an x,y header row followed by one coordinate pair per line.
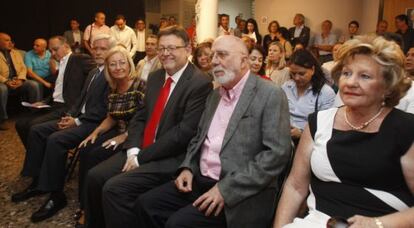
x,y
104,36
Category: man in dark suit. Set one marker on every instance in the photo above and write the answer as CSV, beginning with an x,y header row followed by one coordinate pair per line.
x,y
157,136
299,34
229,177
73,70
49,142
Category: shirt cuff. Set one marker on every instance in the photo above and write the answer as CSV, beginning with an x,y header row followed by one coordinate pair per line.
x,y
134,151
78,122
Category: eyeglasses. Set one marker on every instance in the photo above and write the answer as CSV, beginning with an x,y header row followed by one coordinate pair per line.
x,y
169,48
337,222
300,74
115,64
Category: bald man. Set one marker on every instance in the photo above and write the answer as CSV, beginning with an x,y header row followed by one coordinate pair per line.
x,y
38,63
13,77
92,30
229,176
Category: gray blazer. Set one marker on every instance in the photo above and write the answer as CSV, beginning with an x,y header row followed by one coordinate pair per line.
x,y
69,38
255,150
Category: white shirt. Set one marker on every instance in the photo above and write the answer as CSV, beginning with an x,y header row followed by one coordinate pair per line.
x,y
407,102
76,36
146,69
298,30
58,93
141,41
125,37
134,151
221,31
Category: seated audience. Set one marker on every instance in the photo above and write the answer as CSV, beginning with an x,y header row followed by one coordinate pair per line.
x,y
224,25
74,36
271,37
324,42
38,64
125,98
13,78
300,33
256,61
49,142
354,163
407,102
241,25
157,138
328,66
353,27
382,27
202,58
252,31
307,91
406,32
92,30
73,69
151,62
276,64
124,35
283,35
249,42
230,172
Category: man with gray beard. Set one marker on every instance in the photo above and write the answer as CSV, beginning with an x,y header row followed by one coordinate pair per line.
x,y
229,177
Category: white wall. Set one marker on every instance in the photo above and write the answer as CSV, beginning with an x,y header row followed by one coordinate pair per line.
x,y
234,8
340,12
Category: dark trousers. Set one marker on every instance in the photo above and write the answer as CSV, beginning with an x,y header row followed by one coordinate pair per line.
x,y
165,206
92,155
47,152
111,194
24,124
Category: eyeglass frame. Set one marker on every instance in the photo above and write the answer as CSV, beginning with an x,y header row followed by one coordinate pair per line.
x,y
170,48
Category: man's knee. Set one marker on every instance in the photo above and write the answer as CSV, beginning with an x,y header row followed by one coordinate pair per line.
x,y
176,220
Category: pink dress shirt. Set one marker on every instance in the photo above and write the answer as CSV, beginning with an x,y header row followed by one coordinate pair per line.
x,y
210,165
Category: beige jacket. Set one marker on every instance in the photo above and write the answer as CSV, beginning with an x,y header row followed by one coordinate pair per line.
x,y
18,63
157,65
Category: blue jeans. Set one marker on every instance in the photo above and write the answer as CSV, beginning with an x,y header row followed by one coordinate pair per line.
x,y
28,91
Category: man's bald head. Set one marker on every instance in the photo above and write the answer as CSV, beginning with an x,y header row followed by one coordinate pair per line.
x,y
39,46
233,42
229,60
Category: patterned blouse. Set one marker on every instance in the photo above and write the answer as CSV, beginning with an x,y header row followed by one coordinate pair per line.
x,y
122,107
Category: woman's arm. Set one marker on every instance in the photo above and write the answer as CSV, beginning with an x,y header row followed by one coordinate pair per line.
x,y
296,187
105,125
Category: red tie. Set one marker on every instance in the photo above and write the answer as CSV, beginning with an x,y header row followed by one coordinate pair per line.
x,y
149,132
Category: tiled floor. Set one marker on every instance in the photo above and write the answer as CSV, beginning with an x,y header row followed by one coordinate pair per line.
x,y
18,215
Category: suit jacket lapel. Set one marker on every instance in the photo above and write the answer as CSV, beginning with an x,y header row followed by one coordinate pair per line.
x,y
67,71
209,114
243,104
179,88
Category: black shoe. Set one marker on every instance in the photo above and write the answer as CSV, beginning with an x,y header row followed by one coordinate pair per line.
x,y
49,208
25,194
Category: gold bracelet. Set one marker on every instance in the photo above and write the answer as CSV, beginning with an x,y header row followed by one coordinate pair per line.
x,y
378,223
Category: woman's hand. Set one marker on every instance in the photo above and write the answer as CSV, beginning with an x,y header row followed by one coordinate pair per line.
x,y
358,221
91,138
295,132
115,141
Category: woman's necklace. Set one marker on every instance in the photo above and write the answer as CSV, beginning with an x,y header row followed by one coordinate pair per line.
x,y
364,125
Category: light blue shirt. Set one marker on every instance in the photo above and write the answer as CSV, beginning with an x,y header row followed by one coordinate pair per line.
x,y
301,107
329,40
38,65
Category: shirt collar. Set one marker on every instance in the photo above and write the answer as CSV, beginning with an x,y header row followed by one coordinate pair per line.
x,y
150,61
234,92
175,77
300,27
66,57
